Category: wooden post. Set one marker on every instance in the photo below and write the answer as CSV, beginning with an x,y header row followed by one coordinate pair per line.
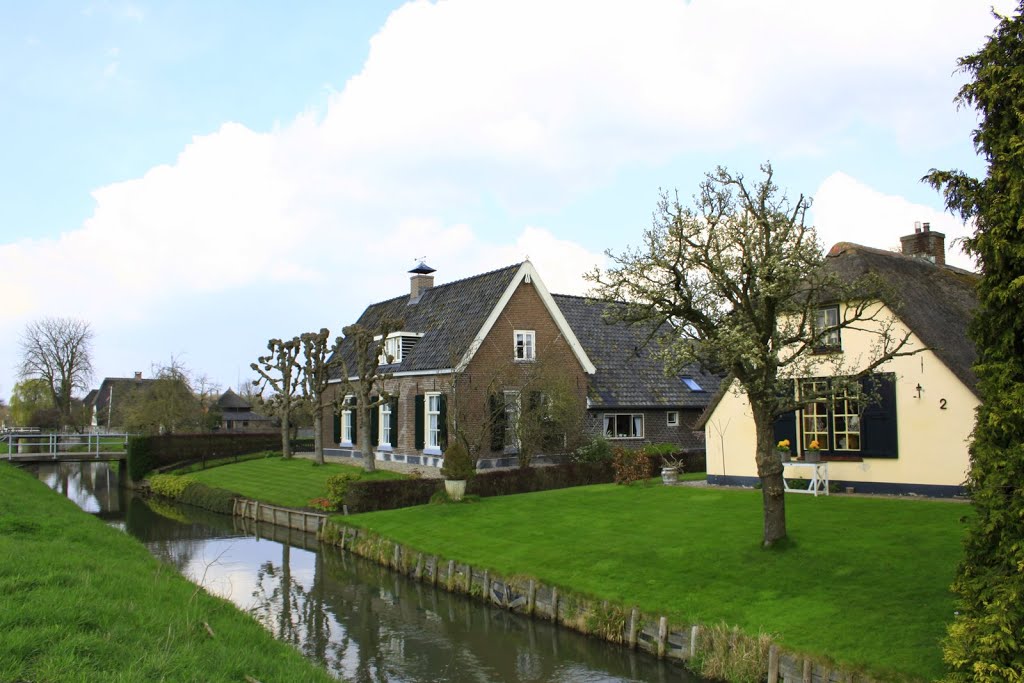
x,y
808,671
634,627
451,574
554,605
344,534
662,635
418,572
531,597
469,579
398,556
773,664
487,585
694,634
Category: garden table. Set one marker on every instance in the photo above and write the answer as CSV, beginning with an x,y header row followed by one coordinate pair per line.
x,y
818,472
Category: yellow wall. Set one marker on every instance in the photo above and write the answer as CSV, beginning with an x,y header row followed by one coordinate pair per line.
x,y
932,440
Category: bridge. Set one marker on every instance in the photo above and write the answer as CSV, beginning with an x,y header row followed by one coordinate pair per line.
x,y
31,446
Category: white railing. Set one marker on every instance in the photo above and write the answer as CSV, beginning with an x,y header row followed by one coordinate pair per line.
x,y
64,446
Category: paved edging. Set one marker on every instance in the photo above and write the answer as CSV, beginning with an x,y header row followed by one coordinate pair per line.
x,y
614,623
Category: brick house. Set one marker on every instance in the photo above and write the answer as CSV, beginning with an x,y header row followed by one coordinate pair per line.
x,y
472,350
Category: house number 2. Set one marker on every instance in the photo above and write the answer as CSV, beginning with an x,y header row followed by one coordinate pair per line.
x,y
942,404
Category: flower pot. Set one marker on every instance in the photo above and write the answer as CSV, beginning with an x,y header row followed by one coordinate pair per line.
x,y
812,456
455,488
669,475
784,455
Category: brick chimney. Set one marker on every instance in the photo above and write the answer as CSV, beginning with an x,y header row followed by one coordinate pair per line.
x,y
138,374
925,244
421,281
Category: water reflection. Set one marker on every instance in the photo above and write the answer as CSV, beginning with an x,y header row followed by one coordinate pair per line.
x,y
93,486
364,622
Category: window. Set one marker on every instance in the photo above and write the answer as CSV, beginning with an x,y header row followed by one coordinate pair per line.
x,y
433,426
525,346
346,420
691,384
815,413
624,426
846,422
511,440
397,346
385,424
672,418
826,329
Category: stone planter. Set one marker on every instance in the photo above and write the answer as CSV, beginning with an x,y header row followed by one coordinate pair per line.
x,y
783,455
455,488
669,475
812,456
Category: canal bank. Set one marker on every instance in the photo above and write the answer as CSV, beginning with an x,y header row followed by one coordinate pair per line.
x,y
85,602
707,650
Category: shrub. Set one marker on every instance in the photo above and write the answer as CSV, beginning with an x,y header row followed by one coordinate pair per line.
x,y
458,464
508,482
140,457
598,450
208,497
389,494
170,485
337,488
631,466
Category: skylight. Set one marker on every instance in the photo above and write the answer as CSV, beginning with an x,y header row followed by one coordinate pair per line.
x,y
691,384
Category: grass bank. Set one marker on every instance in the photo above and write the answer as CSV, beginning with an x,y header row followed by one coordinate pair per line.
x,y
292,483
85,602
863,580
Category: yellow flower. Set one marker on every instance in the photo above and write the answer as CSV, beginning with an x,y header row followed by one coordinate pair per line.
x,y
814,445
783,445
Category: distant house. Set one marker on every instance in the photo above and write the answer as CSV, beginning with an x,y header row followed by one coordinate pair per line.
x,y
237,415
109,403
497,328
907,431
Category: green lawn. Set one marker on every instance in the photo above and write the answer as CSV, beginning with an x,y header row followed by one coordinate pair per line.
x,y
863,581
277,481
85,602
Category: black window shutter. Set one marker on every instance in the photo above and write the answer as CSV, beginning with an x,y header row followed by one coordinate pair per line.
x,y
785,428
497,423
421,438
354,414
443,419
374,423
337,428
394,421
879,434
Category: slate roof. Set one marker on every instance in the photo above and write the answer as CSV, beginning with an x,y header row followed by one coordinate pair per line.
x,y
229,400
244,416
936,302
628,372
448,315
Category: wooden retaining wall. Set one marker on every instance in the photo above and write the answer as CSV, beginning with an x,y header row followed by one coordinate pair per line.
x,y
629,627
281,516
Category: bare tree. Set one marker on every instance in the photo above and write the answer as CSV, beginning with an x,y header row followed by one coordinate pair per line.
x,y
319,357
740,279
280,370
59,351
365,350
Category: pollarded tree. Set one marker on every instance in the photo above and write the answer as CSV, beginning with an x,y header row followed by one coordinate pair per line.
x,y
319,358
59,351
280,370
985,639
360,364
739,278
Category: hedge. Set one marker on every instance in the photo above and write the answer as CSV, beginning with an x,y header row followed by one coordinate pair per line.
x,y
147,453
187,490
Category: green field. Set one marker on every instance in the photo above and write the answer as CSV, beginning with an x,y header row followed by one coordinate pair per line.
x,y
292,483
862,581
85,602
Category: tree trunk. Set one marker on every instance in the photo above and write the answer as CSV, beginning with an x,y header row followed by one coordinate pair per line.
x,y
318,437
286,434
769,469
369,464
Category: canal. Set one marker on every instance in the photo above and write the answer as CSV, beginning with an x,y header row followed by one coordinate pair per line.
x,y
361,621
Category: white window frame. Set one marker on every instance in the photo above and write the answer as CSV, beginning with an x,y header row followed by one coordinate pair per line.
x,y
672,418
826,323
524,346
512,412
384,426
632,422
346,421
432,435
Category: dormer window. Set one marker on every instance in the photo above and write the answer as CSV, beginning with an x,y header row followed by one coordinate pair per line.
x,y
525,345
826,330
397,346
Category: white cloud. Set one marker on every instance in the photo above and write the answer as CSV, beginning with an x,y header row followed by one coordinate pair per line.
x,y
846,210
522,104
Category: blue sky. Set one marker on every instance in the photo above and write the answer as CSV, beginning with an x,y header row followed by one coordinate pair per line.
x,y
195,178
